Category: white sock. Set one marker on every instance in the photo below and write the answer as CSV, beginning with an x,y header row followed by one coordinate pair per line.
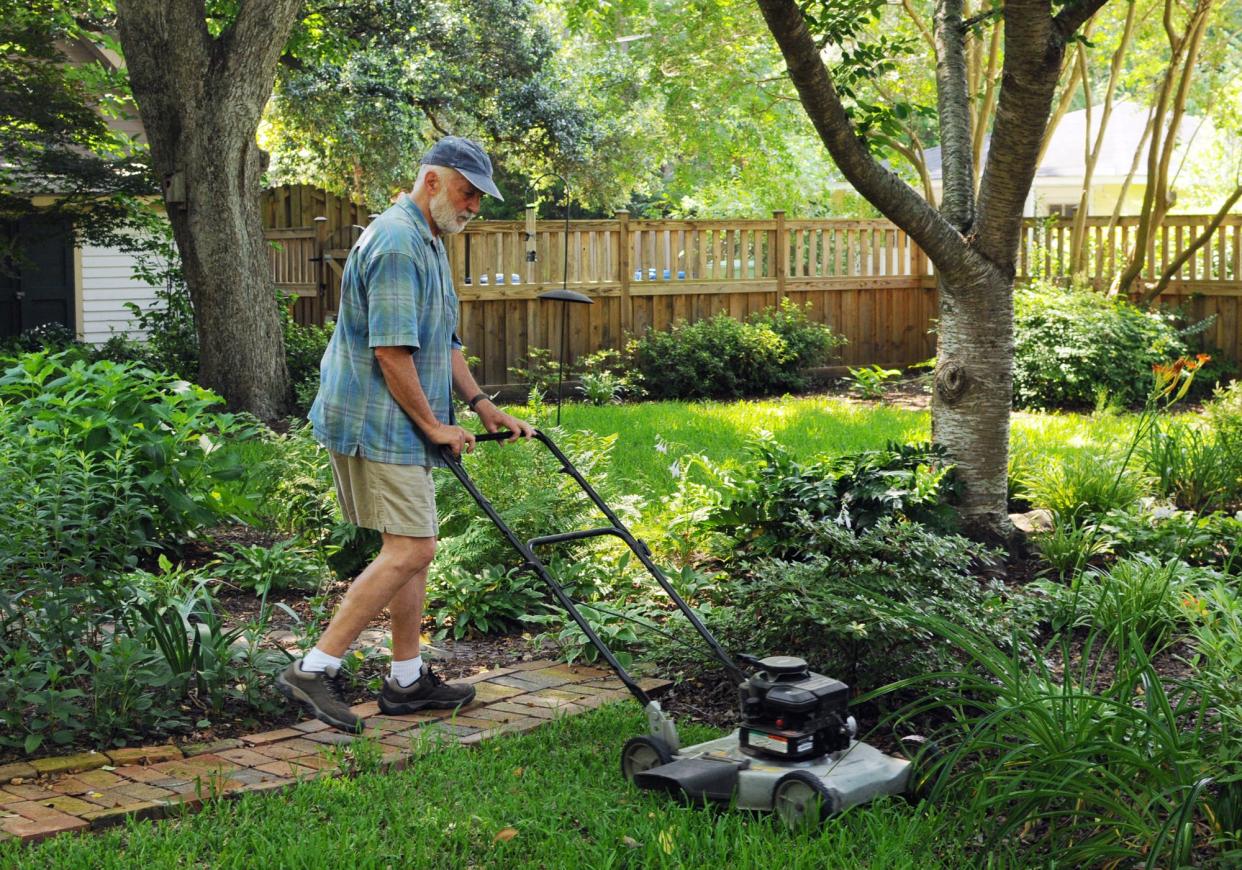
x,y
407,671
317,661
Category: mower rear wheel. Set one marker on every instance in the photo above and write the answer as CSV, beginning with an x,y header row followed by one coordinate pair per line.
x,y
802,801
643,753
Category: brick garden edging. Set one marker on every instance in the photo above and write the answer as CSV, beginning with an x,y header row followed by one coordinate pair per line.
x,y
49,796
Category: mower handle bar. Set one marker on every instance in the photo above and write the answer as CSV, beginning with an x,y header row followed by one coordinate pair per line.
x,y
616,528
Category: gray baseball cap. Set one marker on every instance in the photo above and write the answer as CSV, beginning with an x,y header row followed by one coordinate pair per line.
x,y
468,158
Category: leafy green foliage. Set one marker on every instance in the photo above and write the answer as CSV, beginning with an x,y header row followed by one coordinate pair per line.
x,y
54,130
604,379
304,349
1086,758
365,83
283,565
1192,466
522,482
100,462
868,382
1084,485
721,357
1136,598
823,602
179,445
1069,345
1211,540
768,503
492,599
1216,626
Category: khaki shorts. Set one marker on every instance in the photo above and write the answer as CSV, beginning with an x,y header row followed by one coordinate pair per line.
x,y
398,499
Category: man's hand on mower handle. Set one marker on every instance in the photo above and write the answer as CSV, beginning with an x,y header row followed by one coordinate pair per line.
x,y
455,437
494,419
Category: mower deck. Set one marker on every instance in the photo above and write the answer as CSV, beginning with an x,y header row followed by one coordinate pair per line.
x,y
720,772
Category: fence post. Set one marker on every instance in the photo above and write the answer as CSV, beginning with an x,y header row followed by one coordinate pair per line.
x,y
318,306
623,264
782,256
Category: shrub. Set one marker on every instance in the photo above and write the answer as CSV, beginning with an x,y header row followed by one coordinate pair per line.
x,y
1069,345
474,573
1211,540
774,493
523,483
178,443
98,463
304,349
540,373
602,379
284,565
493,599
825,606
171,343
721,357
1216,624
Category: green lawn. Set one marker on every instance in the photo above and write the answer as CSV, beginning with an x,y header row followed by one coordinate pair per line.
x,y
559,787
807,426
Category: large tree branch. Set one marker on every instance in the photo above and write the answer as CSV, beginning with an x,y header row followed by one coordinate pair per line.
x,y
1075,15
892,196
957,200
1033,54
245,55
1204,237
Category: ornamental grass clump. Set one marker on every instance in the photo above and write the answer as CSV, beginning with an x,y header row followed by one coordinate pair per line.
x,y
1078,757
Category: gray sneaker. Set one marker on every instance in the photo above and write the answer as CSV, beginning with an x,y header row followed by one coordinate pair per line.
x,y
322,694
427,691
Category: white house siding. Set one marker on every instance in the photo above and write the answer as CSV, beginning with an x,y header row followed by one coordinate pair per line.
x,y
107,283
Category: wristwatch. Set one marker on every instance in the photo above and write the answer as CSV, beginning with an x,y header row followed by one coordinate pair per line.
x,y
474,400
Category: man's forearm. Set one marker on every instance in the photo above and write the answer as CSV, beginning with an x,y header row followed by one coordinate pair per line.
x,y
401,377
465,384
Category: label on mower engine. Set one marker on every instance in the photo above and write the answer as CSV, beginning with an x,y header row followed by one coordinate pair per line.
x,y
766,741
774,743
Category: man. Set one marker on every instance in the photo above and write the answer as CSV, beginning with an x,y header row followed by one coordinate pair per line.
x,y
384,410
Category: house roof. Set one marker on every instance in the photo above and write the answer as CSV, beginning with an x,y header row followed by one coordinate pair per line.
x,y
1066,154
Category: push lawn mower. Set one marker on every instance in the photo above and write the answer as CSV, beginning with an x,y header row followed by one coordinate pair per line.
x,y
795,751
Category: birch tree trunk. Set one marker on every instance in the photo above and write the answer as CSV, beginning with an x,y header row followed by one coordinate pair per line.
x,y
973,242
200,97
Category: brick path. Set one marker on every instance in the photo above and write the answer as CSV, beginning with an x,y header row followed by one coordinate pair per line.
x,y
48,796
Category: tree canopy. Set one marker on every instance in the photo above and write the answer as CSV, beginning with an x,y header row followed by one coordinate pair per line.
x,y
60,154
364,88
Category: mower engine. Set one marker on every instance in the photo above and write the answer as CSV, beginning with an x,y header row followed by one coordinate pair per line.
x,y
790,713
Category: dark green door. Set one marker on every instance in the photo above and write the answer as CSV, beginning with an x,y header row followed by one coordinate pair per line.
x,y
36,283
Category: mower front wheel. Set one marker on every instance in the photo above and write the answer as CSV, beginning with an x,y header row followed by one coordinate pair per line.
x,y
802,801
643,753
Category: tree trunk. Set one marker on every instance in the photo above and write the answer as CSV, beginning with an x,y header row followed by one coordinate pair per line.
x,y
200,98
973,393
973,242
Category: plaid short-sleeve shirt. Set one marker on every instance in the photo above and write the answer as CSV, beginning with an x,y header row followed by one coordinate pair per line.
x,y
396,291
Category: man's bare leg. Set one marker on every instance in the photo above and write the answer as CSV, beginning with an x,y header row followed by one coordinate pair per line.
x,y
406,610
401,559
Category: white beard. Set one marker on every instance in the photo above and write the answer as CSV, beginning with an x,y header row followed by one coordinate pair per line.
x,y
447,220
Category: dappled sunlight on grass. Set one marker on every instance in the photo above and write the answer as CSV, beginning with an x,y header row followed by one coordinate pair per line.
x,y
722,430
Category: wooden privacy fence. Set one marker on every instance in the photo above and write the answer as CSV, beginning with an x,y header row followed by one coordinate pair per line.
x,y
864,278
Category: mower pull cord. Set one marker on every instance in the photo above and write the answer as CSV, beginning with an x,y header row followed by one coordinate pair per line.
x,y
616,529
